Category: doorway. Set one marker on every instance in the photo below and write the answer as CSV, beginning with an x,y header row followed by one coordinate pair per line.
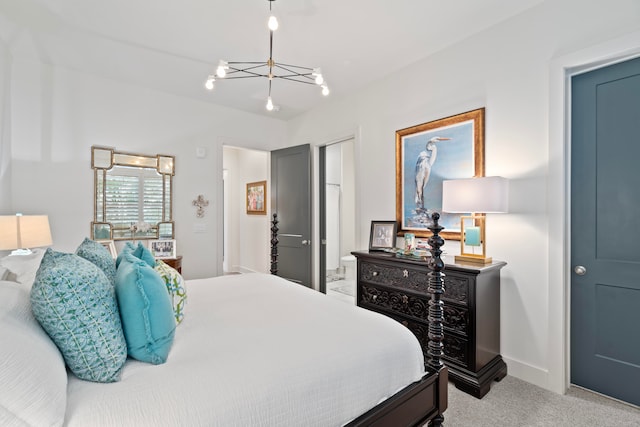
x,y
338,219
605,292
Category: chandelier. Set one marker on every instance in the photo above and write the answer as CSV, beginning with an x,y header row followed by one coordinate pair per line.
x,y
270,69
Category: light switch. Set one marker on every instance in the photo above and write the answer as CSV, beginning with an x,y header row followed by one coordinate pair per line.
x,y
201,152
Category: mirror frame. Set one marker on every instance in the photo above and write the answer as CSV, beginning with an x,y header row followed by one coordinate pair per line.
x,y
103,159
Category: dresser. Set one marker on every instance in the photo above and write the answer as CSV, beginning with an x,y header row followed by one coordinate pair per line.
x,y
174,262
397,287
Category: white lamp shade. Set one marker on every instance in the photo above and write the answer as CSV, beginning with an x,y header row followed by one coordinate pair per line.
x,y
488,194
24,231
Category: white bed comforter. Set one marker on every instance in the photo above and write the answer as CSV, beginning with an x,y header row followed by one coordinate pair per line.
x,y
256,350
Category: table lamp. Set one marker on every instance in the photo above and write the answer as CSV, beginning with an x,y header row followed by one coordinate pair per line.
x,y
479,196
21,232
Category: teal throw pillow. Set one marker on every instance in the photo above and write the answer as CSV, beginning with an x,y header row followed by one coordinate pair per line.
x,y
145,309
75,304
175,286
99,255
139,251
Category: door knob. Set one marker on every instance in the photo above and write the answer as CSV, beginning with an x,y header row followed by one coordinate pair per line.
x,y
580,270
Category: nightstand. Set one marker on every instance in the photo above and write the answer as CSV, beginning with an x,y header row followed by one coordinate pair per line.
x,y
174,262
397,288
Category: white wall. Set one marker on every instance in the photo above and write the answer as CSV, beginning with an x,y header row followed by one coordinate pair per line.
x,y
249,235
505,69
57,114
5,130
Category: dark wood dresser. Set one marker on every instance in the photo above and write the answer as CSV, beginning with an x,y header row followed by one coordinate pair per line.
x,y
397,287
174,262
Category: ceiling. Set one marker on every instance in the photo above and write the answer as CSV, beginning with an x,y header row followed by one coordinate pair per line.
x,y
174,45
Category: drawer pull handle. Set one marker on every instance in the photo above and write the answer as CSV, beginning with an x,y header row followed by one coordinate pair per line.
x,y
374,274
405,273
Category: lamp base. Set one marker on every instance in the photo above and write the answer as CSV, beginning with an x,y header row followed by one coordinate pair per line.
x,y
477,259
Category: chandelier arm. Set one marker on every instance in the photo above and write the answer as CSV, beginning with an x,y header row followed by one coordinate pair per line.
x,y
294,66
293,80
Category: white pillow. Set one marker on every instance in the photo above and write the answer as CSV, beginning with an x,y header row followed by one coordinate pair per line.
x,y
24,267
32,371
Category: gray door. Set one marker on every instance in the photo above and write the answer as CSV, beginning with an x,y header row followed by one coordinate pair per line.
x,y
605,231
291,200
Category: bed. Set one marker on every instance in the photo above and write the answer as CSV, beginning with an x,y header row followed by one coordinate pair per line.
x,y
252,350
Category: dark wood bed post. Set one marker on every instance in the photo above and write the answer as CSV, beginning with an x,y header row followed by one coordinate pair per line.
x,y
274,244
436,316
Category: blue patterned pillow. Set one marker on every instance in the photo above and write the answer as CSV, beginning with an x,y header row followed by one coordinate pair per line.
x,y
74,302
100,256
145,310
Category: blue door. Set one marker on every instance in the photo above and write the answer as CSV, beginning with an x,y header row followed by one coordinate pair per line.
x,y
605,231
291,200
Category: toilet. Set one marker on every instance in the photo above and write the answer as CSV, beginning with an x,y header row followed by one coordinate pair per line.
x,y
349,264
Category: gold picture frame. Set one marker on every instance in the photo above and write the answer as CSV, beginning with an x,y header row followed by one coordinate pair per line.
x,y
426,155
256,198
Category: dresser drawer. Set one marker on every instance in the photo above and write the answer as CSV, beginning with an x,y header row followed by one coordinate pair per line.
x,y
397,276
456,319
394,300
456,288
456,349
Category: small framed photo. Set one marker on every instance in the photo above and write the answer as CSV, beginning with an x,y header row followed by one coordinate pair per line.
x,y
383,235
164,248
110,246
257,198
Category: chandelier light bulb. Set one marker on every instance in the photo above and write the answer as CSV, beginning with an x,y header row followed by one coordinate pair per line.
x,y
318,75
325,90
269,104
273,23
209,83
221,71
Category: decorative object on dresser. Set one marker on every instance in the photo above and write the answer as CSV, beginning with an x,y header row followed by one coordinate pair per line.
x,y
163,248
382,235
479,196
396,288
427,154
175,262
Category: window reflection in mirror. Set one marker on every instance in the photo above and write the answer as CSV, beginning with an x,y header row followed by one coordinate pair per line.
x,y
133,195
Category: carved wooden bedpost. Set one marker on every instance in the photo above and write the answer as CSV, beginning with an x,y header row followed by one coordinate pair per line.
x,y
274,244
436,315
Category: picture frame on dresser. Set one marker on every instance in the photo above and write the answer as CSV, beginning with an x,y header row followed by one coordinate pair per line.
x,y
163,248
426,155
382,235
110,246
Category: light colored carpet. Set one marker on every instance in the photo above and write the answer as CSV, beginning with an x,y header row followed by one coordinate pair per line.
x,y
516,403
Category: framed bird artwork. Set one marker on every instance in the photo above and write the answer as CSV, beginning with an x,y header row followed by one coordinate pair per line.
x,y
427,154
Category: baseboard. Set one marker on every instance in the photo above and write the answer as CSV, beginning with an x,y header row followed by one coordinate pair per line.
x,y
525,372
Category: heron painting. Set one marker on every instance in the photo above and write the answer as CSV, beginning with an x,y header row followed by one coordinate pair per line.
x,y
426,155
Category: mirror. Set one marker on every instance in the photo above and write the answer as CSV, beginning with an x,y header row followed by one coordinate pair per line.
x,y
132,195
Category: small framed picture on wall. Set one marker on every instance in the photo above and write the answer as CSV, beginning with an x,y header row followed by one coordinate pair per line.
x,y
164,248
256,198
